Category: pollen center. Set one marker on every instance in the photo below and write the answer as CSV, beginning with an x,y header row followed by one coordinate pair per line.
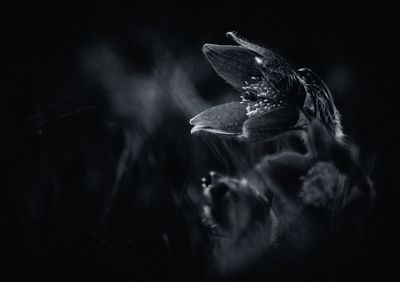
x,y
260,96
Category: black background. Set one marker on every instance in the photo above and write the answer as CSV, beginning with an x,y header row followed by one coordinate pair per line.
x,y
50,204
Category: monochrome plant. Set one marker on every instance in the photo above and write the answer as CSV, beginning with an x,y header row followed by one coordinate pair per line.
x,y
275,97
288,197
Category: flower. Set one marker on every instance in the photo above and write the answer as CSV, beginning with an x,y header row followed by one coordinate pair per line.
x,y
274,96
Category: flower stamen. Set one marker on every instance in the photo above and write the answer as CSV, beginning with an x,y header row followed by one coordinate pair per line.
x,y
263,94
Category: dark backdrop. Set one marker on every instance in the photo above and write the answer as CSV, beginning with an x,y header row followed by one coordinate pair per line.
x,y
96,158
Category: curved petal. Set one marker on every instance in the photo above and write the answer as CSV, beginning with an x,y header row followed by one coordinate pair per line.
x,y
235,64
246,44
226,119
271,123
270,61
